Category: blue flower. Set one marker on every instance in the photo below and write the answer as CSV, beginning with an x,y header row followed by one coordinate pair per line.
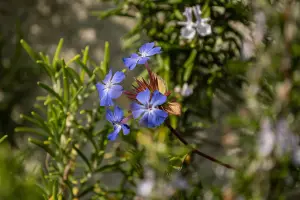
x,y
110,89
152,116
145,52
116,118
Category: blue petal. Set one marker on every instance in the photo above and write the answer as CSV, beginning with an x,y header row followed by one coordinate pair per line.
x,y
144,97
118,114
115,91
109,116
143,60
118,77
114,134
137,110
100,88
125,129
154,51
159,116
158,99
146,120
106,100
107,77
146,47
132,61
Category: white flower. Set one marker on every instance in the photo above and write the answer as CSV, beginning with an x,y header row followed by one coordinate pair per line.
x,y
186,90
266,139
286,141
202,27
145,187
190,28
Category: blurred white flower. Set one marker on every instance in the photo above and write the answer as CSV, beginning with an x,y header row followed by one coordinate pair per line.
x,y
190,28
179,182
286,141
296,156
188,32
185,91
266,139
177,89
145,187
202,27
283,141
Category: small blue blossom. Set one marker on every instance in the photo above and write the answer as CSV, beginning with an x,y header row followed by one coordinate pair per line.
x,y
110,89
145,52
116,118
152,116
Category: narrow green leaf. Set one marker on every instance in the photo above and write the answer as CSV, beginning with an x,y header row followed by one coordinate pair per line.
x,y
45,58
85,55
28,49
84,61
74,76
3,138
84,68
73,59
99,73
45,67
109,167
57,53
84,158
35,121
105,64
77,93
66,85
189,64
41,121
30,130
55,190
42,145
50,90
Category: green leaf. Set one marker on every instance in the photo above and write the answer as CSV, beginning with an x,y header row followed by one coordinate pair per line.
x,y
84,158
50,90
110,167
45,67
34,56
3,138
73,59
85,55
84,62
31,130
55,190
84,68
42,145
65,85
189,64
105,64
74,77
57,53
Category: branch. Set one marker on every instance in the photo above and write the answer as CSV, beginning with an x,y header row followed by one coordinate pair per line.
x,y
176,133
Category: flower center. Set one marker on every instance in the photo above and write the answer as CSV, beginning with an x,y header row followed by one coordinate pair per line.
x,y
149,107
143,54
108,85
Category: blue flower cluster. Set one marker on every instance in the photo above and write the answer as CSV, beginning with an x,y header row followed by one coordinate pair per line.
x,y
146,106
145,52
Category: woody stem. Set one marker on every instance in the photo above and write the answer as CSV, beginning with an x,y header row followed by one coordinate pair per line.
x,y
177,134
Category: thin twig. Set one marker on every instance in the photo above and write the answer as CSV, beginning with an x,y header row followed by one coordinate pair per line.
x,y
176,133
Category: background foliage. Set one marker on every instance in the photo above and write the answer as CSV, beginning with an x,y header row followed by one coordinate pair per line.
x,y
243,110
